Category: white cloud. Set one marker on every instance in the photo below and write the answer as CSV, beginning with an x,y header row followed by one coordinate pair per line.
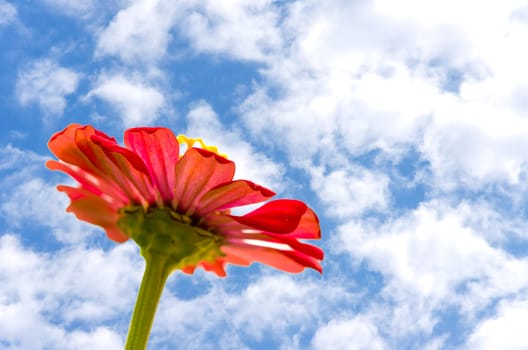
x,y
475,144
267,309
42,295
137,103
357,333
504,331
101,338
244,29
141,32
37,202
365,77
434,257
252,165
8,13
23,161
288,303
138,33
26,198
46,83
348,192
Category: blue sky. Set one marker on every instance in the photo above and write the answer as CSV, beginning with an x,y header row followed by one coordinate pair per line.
x,y
403,124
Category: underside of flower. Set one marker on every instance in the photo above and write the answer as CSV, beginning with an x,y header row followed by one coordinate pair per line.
x,y
177,201
162,231
177,208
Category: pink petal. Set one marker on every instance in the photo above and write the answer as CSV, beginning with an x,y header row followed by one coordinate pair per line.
x,y
197,172
232,194
159,150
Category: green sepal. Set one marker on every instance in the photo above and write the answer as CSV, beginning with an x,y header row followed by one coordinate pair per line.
x,y
161,231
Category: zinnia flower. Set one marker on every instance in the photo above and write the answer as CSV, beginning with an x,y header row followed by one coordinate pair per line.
x,y
180,205
178,209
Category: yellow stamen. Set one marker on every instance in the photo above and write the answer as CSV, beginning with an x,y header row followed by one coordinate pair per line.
x,y
182,139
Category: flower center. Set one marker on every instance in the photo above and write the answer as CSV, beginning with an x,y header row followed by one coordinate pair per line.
x,y
189,142
162,231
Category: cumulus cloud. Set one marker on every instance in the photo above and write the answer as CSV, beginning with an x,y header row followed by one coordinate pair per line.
x,y
8,13
505,330
215,27
23,161
263,311
139,32
47,84
142,31
136,102
28,199
350,192
65,286
433,257
368,78
357,333
24,203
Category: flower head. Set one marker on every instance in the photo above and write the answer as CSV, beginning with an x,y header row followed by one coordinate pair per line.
x,y
180,205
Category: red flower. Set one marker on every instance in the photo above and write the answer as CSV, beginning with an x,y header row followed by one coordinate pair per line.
x,y
180,204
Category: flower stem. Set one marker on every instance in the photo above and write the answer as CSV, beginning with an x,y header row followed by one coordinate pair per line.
x,y
154,278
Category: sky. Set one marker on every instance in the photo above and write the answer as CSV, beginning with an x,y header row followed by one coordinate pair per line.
x,y
404,124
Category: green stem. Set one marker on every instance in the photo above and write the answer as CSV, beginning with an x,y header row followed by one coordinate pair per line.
x,y
154,278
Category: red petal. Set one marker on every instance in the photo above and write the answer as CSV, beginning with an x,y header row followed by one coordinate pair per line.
x,y
216,267
268,256
232,194
229,225
279,216
236,260
308,227
197,172
108,168
189,269
95,210
94,156
116,235
128,171
305,260
159,150
307,249
134,160
88,181
64,145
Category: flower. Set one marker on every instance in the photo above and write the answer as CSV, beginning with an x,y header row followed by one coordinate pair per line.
x,y
180,205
